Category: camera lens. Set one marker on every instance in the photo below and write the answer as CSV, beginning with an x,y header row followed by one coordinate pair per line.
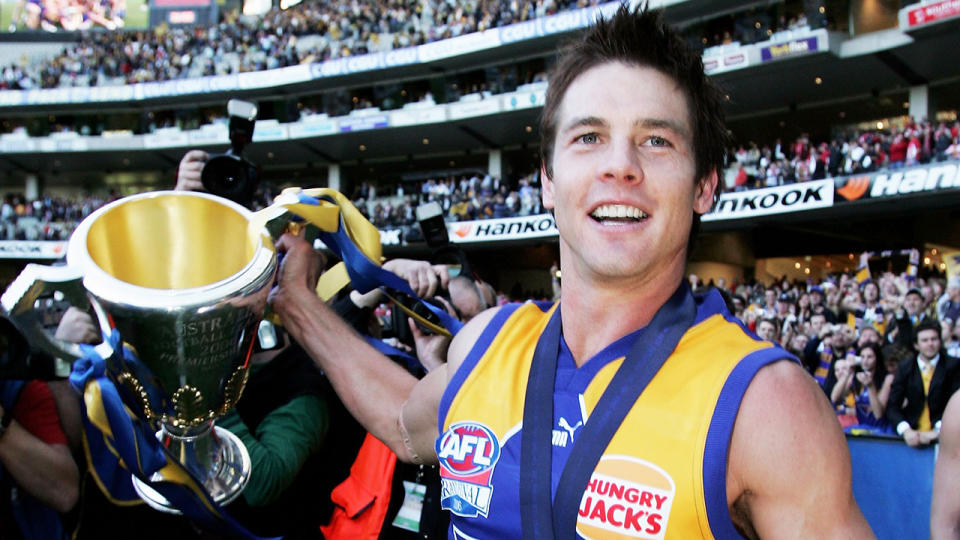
x,y
228,176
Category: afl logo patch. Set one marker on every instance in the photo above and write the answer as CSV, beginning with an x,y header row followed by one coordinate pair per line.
x,y
467,451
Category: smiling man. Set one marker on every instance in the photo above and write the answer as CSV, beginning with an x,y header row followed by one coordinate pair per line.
x,y
631,408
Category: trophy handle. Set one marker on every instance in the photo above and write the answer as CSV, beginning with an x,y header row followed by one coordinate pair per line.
x,y
19,300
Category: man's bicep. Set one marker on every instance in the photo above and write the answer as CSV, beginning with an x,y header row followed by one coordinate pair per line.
x,y
945,508
789,461
418,417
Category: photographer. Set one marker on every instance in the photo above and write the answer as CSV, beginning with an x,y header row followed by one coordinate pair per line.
x,y
862,389
189,171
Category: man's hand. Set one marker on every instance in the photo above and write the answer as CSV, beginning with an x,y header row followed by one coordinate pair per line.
x,y
76,326
188,173
929,437
912,438
431,348
298,273
424,278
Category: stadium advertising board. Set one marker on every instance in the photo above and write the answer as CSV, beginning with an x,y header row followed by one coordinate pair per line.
x,y
18,249
554,24
359,123
524,100
736,58
498,230
774,200
182,12
925,178
913,16
789,49
473,108
312,128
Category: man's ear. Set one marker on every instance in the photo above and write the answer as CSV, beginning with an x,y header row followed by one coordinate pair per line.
x,y
546,190
703,197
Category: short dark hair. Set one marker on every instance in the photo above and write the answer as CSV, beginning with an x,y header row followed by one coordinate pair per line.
x,y
640,37
926,324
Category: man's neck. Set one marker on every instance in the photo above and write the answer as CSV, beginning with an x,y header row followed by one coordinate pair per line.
x,y
595,316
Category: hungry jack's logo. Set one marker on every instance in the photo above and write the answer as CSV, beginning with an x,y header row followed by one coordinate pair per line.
x,y
628,497
468,452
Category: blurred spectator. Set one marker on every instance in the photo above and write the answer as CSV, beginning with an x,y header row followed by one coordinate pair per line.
x,y
922,386
39,478
863,389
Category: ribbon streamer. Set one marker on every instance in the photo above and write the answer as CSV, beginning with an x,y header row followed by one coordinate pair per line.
x,y
118,445
357,242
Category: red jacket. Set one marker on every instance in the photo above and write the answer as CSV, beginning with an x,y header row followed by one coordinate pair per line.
x,y
363,498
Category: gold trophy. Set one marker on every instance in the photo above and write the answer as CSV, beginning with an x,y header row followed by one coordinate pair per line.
x,y
184,278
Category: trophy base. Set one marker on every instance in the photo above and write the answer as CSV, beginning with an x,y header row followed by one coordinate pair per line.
x,y
223,484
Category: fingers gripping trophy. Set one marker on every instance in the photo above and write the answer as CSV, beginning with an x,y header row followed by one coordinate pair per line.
x,y
178,282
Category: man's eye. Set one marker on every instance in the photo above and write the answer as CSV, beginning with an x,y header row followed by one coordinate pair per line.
x,y
658,141
588,138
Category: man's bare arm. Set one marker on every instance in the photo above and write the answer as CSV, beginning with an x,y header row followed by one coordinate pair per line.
x,y
789,474
945,508
46,471
376,391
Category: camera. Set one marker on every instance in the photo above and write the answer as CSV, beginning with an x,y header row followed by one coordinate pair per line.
x,y
856,363
229,175
434,229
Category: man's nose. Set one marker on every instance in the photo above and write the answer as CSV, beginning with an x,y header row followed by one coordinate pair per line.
x,y
623,161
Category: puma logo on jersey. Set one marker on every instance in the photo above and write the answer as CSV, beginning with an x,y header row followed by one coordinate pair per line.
x,y
564,435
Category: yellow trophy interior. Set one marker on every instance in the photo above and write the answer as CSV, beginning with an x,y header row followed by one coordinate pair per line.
x,y
171,241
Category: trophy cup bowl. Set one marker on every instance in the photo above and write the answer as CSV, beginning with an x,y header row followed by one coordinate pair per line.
x,y
184,279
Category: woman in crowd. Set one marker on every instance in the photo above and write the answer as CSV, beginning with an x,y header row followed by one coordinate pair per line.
x,y
862,390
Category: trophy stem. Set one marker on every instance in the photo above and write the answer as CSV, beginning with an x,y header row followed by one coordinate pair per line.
x,y
212,454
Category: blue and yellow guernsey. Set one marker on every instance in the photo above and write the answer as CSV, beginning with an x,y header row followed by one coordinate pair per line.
x,y
663,475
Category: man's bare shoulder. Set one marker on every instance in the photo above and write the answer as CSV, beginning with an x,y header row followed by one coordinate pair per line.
x,y
789,466
466,338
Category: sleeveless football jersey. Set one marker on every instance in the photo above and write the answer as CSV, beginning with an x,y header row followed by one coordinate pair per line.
x,y
663,475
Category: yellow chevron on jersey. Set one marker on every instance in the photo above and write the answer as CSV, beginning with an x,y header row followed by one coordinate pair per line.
x,y
657,478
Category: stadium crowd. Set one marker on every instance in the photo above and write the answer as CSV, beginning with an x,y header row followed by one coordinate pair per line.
x,y
307,32
891,147
319,31
472,196
853,332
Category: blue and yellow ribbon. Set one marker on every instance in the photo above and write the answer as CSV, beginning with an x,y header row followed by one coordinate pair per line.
x,y
356,241
119,444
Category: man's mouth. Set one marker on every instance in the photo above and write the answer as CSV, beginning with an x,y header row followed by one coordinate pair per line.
x,y
617,214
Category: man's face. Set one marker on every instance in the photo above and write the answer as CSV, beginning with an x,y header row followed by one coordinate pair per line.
x,y
869,334
766,330
799,342
913,303
623,189
816,324
770,297
927,294
844,336
928,343
871,293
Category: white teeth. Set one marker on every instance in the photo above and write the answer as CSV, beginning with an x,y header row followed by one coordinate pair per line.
x,y
617,211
